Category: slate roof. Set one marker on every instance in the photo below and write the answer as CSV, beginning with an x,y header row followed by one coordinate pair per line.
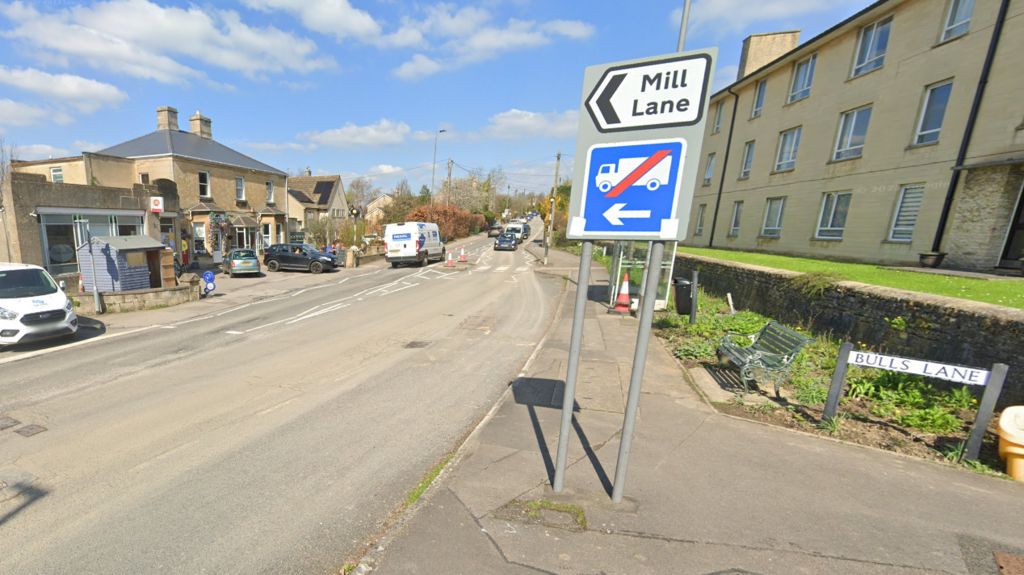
x,y
302,197
188,145
122,243
205,207
318,190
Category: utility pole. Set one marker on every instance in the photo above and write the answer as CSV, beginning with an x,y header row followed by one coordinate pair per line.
x,y
448,195
551,210
433,164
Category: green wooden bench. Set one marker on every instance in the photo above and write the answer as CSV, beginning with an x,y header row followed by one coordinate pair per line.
x,y
769,351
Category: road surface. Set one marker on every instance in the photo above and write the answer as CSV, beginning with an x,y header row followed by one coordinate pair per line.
x,y
272,435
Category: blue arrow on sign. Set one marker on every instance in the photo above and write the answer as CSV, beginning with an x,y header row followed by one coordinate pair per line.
x,y
632,188
208,277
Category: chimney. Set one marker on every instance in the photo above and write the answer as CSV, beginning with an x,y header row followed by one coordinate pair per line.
x,y
201,126
760,49
166,118
308,171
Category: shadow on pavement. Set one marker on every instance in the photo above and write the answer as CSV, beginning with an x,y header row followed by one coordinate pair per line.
x,y
538,392
28,494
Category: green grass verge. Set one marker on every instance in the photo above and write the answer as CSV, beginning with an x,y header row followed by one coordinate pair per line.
x,y
1005,292
417,492
534,507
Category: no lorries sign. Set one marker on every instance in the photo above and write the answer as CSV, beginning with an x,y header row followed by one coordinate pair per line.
x,y
660,94
638,147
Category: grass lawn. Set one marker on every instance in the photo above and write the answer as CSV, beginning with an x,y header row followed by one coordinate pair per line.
x,y
1006,292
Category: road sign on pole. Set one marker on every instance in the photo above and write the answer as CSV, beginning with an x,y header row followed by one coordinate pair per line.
x,y
663,92
638,146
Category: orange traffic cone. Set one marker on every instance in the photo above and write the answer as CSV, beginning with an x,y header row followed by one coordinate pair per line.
x,y
450,263
462,255
622,302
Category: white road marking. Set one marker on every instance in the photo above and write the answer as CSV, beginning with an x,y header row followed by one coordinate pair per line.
x,y
483,268
302,291
522,268
168,327
501,269
40,352
233,332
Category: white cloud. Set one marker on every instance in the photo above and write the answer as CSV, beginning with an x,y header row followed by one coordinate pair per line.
x,y
382,133
108,36
86,146
736,16
84,94
569,28
18,114
418,67
39,152
335,17
514,124
724,76
383,170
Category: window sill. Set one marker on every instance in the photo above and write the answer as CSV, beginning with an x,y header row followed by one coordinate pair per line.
x,y
818,239
796,101
732,236
705,185
766,237
862,74
785,171
916,146
950,39
741,178
898,242
841,160
754,117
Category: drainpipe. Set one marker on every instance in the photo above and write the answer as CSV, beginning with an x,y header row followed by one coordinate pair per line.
x,y
969,128
725,164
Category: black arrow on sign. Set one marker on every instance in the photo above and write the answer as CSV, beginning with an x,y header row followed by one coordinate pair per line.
x,y
604,101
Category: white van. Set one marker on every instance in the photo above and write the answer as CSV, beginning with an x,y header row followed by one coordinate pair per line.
x,y
516,230
412,243
32,306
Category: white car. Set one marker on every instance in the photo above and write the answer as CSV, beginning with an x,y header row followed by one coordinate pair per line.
x,y
32,306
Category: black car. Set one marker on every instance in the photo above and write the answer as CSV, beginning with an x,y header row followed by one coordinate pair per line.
x,y
526,231
494,231
298,257
506,242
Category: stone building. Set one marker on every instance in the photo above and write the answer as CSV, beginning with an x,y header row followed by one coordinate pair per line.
x,y
313,197
895,133
214,197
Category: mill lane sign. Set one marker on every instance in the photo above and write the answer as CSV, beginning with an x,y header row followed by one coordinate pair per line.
x,y
665,93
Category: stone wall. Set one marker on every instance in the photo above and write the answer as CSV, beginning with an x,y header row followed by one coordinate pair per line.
x,y
982,215
938,328
136,300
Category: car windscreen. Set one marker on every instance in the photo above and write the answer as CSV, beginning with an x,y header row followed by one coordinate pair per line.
x,y
239,254
25,283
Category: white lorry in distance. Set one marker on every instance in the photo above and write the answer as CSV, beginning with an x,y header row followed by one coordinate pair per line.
x,y
609,175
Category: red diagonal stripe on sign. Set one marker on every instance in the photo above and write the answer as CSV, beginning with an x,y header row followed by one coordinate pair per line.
x,y
638,173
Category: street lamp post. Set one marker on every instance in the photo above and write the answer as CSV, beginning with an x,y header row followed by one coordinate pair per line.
x,y
433,164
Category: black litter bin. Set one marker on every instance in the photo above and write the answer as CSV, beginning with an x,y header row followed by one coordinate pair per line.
x,y
681,293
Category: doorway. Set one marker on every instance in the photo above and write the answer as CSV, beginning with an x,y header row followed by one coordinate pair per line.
x,y
1014,249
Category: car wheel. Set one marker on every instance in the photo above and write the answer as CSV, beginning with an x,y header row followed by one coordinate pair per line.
x,y
232,274
273,266
316,267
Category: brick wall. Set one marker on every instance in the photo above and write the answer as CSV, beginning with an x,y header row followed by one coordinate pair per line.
x,y
939,328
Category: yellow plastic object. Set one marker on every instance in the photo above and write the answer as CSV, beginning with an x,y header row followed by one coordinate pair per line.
x,y
1011,440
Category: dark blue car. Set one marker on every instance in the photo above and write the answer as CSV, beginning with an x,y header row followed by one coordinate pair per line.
x,y
506,241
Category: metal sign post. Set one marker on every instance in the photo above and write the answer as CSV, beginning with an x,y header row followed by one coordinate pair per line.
x,y
638,148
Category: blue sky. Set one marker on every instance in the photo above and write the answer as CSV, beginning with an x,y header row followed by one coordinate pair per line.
x,y
356,87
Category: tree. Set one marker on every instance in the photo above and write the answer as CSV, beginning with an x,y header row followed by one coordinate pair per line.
x,y
360,191
424,197
402,189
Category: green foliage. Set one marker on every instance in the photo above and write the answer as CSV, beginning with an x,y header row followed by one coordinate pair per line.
x,y
897,324
814,284
809,390
935,419
960,398
696,349
831,425
1004,292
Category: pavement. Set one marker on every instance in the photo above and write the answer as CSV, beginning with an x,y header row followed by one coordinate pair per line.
x,y
705,492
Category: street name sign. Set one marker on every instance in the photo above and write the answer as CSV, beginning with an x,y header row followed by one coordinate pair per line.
x,y
660,93
638,147
957,373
